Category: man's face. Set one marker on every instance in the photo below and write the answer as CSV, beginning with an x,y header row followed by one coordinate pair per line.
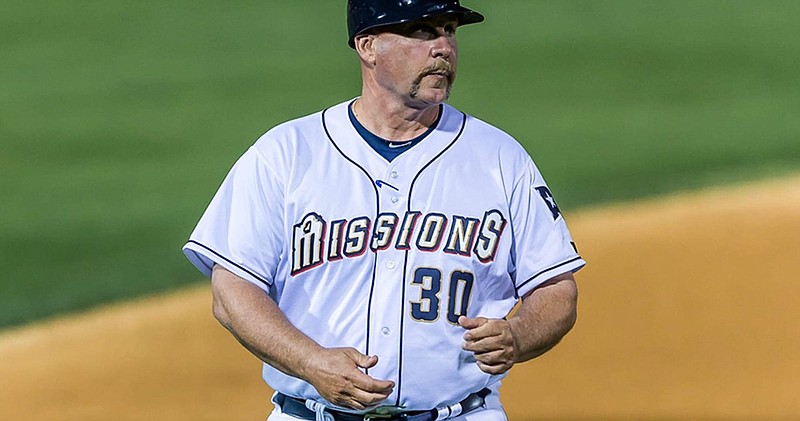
x,y
418,59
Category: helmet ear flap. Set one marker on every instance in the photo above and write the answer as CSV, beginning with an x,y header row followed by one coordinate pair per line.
x,y
367,14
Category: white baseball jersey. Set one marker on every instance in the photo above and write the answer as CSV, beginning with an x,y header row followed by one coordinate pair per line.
x,y
385,256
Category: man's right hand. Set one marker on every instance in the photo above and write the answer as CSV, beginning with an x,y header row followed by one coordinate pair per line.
x,y
336,375
258,323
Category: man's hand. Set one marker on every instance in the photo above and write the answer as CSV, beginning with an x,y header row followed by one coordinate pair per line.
x,y
546,314
336,376
255,320
492,342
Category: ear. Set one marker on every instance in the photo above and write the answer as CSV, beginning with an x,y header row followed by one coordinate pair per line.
x,y
365,47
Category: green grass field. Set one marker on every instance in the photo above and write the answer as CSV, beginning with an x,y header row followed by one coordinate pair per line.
x,y
119,119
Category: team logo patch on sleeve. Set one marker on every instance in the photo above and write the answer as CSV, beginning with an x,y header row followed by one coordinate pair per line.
x,y
544,192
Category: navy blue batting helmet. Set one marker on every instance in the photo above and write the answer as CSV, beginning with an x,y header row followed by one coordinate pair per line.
x,y
367,14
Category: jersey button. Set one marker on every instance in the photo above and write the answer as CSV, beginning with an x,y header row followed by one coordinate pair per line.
x,y
390,264
395,199
393,174
386,331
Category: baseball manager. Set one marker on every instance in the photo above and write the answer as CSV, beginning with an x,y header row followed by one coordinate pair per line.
x,y
370,254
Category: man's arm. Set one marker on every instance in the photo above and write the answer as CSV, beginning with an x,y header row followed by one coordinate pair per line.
x,y
260,326
545,315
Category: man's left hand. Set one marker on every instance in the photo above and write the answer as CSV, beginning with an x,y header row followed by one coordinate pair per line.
x,y
491,341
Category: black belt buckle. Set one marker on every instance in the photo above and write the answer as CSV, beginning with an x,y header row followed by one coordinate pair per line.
x,y
385,413
375,416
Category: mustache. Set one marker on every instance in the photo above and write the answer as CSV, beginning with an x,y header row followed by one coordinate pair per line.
x,y
439,67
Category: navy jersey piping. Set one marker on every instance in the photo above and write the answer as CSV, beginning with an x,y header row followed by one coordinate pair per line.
x,y
377,212
547,270
244,269
405,264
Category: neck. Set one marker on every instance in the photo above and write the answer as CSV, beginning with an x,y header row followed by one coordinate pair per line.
x,y
393,120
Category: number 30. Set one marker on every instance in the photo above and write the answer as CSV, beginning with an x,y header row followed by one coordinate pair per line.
x,y
426,309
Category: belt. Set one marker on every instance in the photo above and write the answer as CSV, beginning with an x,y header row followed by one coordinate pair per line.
x,y
298,408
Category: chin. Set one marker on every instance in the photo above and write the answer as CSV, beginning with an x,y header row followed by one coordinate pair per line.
x,y
432,95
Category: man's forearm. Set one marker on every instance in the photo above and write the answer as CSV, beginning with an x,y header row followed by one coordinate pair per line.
x,y
544,317
258,324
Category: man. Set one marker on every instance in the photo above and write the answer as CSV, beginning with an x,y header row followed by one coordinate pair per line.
x,y
369,254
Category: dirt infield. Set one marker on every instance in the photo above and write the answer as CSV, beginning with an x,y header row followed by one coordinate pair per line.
x,y
689,310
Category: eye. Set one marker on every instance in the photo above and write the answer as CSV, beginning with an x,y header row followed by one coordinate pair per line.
x,y
450,29
422,32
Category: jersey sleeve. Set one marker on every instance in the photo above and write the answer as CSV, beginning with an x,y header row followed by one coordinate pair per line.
x,y
241,228
542,247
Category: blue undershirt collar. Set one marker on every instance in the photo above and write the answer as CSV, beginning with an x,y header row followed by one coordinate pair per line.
x,y
381,145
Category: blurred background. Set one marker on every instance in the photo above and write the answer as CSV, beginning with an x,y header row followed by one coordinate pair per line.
x,y
118,120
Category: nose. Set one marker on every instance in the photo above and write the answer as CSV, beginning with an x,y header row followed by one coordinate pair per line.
x,y
442,48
